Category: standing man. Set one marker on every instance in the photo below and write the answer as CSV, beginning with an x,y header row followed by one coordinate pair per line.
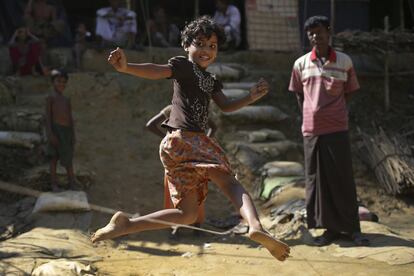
x,y
324,80
228,17
116,26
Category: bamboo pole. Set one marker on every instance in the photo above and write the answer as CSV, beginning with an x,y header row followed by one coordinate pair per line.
x,y
402,15
391,160
196,8
332,21
305,15
386,70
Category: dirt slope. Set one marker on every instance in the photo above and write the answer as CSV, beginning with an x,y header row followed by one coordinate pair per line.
x,y
112,142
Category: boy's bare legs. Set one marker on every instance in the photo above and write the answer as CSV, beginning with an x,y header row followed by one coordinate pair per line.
x,y
244,204
120,224
79,49
53,177
73,183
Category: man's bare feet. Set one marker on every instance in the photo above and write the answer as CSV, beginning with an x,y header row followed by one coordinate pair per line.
x,y
115,228
278,249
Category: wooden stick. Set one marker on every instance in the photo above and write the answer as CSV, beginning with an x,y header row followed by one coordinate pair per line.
x,y
402,15
391,160
386,71
332,19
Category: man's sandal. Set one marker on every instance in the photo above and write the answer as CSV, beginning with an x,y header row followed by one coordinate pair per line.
x,y
359,239
326,238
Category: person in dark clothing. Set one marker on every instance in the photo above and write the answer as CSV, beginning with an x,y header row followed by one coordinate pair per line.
x,y
324,80
164,33
42,19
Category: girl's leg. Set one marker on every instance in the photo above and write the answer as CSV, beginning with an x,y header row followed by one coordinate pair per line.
x,y
201,217
242,201
120,224
167,197
168,204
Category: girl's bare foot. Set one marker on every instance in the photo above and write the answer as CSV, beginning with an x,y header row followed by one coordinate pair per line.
x,y
278,249
115,228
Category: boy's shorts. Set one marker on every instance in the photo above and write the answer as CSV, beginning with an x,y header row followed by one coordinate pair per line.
x,y
186,157
64,150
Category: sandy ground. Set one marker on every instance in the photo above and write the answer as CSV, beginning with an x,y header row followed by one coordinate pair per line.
x,y
235,258
128,176
112,143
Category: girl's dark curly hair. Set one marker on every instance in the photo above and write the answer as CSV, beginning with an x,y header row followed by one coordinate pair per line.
x,y
204,26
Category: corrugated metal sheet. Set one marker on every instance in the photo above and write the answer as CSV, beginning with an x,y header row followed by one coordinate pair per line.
x,y
272,25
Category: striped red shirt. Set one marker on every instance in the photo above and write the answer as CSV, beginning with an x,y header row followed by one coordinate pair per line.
x,y
324,87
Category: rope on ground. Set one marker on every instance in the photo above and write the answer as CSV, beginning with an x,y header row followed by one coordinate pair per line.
x,y
13,188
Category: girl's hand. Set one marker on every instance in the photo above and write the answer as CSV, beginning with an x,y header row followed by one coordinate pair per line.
x,y
259,90
118,60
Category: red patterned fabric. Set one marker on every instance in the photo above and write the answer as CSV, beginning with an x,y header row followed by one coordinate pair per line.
x,y
186,157
25,61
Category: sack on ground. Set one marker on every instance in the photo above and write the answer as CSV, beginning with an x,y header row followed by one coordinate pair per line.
x,y
64,201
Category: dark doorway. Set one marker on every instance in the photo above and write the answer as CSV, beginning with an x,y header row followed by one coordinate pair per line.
x,y
393,9
83,11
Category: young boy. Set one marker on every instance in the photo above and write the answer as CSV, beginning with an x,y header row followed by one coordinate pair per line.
x,y
82,41
324,81
60,129
189,156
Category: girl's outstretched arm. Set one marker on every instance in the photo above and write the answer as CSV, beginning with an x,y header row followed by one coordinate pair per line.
x,y
256,92
151,71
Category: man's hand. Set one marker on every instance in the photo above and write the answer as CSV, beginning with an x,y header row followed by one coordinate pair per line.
x,y
259,90
118,60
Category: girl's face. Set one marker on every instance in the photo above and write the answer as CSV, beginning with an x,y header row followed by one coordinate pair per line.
x,y
59,83
203,51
